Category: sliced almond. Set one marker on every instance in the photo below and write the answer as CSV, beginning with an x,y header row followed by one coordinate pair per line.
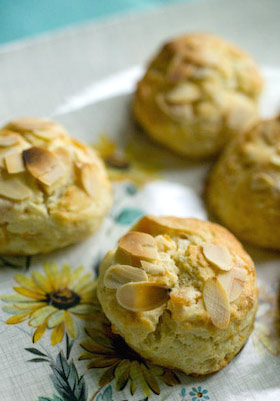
x,y
140,245
233,282
53,175
218,255
14,163
43,165
152,268
30,124
158,225
183,93
118,275
217,302
8,139
89,179
8,150
49,134
14,189
143,296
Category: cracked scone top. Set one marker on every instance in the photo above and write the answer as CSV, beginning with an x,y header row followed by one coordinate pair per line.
x,y
197,92
244,187
53,190
181,292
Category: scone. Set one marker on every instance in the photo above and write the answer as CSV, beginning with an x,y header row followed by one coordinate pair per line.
x,y
243,190
197,92
181,292
54,190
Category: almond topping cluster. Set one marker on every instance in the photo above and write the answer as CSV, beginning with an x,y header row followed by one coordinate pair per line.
x,y
140,254
17,155
224,288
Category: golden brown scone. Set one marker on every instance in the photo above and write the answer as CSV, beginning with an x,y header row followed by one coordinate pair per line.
x,y
54,190
197,92
244,186
181,292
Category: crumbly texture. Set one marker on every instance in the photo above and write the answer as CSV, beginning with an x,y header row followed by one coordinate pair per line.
x,y
243,189
180,333
54,190
197,92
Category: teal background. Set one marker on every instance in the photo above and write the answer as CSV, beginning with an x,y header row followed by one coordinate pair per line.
x,y
23,18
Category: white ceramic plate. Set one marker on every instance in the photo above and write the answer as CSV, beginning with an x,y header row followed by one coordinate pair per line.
x,y
84,78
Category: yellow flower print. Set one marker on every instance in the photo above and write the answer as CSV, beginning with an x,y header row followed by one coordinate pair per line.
x,y
121,364
52,300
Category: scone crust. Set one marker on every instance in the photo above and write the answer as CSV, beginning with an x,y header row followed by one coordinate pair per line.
x,y
197,92
180,333
243,188
54,190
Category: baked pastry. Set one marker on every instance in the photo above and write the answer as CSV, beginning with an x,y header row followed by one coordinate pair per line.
x,y
243,189
197,92
181,292
53,189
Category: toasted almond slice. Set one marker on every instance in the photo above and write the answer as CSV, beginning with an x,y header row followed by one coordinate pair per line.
x,y
142,296
183,93
14,163
14,189
152,268
42,164
154,224
30,124
216,302
47,134
89,179
53,175
218,255
233,282
118,275
8,139
139,245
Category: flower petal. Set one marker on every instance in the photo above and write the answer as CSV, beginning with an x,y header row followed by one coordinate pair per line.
x,y
70,325
15,298
122,374
26,282
80,283
52,273
39,316
83,309
31,306
94,348
89,287
150,379
17,318
41,281
29,293
39,332
138,378
107,376
57,334
56,318
76,274
65,274
102,362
